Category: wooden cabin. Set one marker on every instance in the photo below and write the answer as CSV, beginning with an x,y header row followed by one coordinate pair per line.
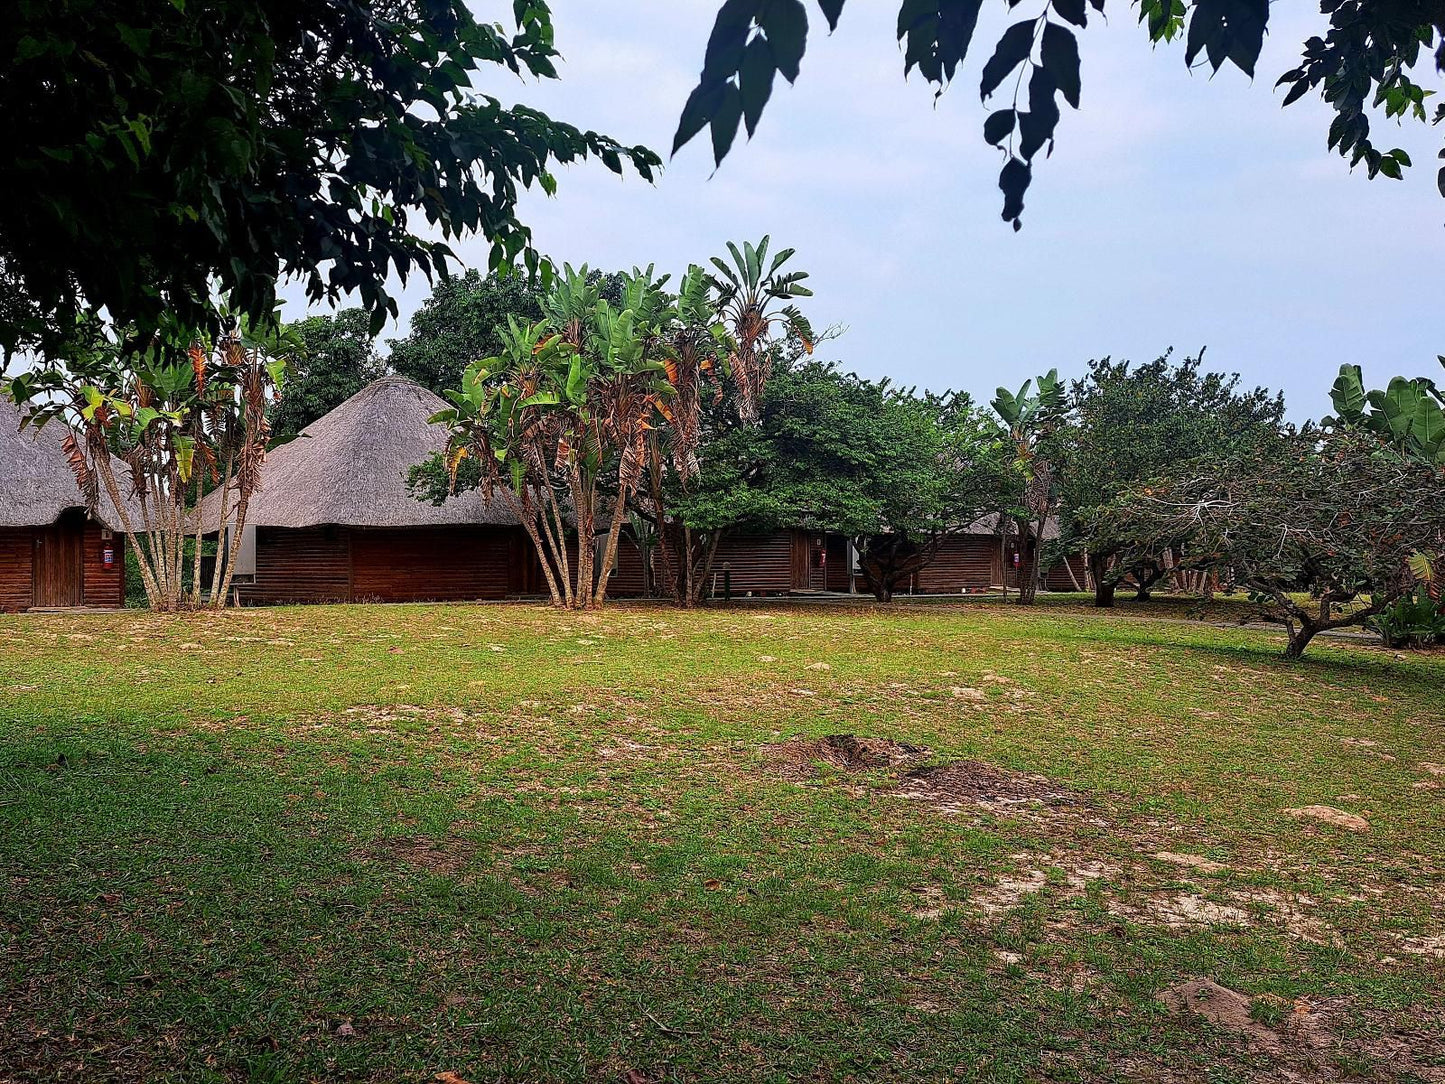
x,y
335,521
54,551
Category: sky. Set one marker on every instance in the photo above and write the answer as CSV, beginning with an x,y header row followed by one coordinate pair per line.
x,y
1178,209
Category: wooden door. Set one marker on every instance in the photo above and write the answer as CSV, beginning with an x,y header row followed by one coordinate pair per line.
x,y
59,574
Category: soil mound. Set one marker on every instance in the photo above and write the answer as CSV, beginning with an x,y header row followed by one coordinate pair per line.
x,y
972,782
846,752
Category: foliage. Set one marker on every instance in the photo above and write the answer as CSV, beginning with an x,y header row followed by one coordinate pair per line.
x,y
1409,414
835,452
335,358
564,410
1331,512
747,291
160,153
1413,620
1365,64
459,323
1032,418
173,419
1130,423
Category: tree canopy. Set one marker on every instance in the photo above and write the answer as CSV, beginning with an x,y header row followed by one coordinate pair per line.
x,y
1368,64
161,154
335,358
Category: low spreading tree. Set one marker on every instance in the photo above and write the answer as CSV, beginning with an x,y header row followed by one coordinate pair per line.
x,y
831,451
1326,528
1129,423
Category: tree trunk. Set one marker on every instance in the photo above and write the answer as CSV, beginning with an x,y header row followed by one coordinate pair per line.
x,y
1103,586
1299,638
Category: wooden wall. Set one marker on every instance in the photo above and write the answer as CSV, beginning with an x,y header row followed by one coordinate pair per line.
x,y
627,580
419,564
15,569
103,586
436,564
966,562
760,563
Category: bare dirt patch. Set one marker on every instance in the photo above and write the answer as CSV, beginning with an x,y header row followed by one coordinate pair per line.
x,y
1298,1024
1328,814
972,783
435,856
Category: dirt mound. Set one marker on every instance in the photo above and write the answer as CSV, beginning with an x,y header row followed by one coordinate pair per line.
x,y
846,752
1270,1022
971,782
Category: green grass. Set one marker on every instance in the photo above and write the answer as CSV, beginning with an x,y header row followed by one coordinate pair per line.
x,y
381,843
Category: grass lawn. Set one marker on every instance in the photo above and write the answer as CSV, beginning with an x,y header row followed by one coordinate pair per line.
x,y
387,843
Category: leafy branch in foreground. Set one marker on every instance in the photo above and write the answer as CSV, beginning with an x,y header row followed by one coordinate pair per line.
x,y
159,154
1365,63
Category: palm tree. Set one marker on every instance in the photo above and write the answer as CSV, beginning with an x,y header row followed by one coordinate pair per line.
x,y
746,299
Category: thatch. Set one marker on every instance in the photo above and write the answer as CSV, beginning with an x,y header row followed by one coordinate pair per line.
x,y
36,482
349,468
989,525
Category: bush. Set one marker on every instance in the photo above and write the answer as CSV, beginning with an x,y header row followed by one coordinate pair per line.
x,y
1416,620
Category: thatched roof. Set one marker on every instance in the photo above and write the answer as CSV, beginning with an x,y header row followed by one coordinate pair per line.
x,y
989,525
36,483
349,468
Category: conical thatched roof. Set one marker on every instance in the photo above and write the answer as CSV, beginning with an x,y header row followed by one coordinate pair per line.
x,y
349,468
36,483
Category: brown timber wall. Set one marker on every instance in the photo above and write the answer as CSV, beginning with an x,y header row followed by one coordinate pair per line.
x,y
627,579
760,563
837,549
16,572
414,564
312,564
1057,578
967,562
103,586
432,564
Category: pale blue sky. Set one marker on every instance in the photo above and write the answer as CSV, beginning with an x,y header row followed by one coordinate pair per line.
x,y
1177,209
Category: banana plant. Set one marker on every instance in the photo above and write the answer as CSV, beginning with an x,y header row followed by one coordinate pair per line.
x,y
754,298
1030,417
1409,414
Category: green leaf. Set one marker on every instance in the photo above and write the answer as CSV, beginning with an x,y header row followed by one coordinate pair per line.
x,y
1012,50
1059,55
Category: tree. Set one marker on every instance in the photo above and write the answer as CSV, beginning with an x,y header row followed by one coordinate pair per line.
x,y
460,322
1334,513
335,358
1365,65
747,294
162,154
173,418
559,419
834,452
1031,418
1129,423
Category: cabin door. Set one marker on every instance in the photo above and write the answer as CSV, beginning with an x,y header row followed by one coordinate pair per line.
x,y
59,561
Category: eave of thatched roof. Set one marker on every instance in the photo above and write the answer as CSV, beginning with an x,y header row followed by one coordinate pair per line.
x,y
349,469
36,482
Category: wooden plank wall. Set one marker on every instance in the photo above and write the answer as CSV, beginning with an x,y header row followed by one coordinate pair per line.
x,y
627,579
312,564
424,564
103,586
963,563
16,545
762,564
431,564
837,563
